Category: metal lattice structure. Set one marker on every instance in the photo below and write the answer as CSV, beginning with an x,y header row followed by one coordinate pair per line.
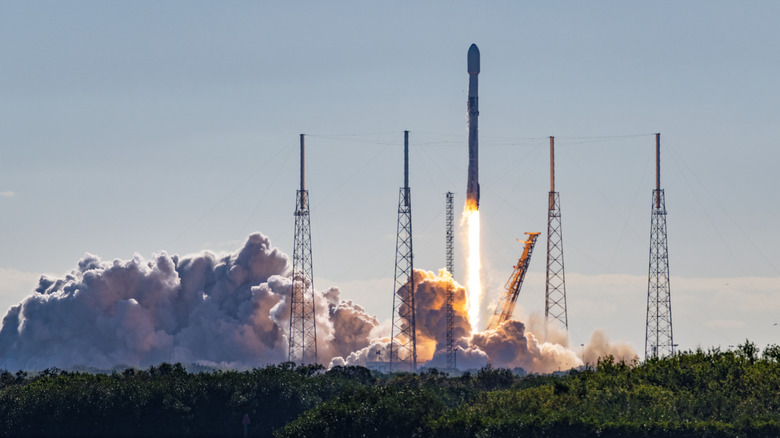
x,y
303,327
659,341
555,290
450,233
403,345
506,303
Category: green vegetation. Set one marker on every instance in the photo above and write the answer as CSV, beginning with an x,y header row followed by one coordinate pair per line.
x,y
694,394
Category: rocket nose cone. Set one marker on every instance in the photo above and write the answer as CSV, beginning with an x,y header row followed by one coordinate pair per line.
x,y
473,60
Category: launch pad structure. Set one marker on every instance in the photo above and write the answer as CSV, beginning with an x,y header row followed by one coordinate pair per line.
x,y
450,234
303,328
449,226
403,345
659,341
506,303
403,337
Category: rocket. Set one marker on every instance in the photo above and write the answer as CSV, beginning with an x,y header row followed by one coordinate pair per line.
x,y
472,187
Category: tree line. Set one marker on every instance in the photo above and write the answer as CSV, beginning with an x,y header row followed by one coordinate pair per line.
x,y
714,393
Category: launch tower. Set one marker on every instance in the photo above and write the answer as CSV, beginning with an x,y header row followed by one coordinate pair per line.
x,y
303,328
658,332
555,291
403,340
450,234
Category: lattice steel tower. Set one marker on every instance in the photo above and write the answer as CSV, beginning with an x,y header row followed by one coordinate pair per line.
x,y
303,328
555,291
450,232
450,226
403,344
658,332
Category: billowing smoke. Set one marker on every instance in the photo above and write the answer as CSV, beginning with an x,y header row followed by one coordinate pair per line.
x,y
552,332
350,327
431,311
229,311
378,350
233,311
430,320
599,346
510,345
466,357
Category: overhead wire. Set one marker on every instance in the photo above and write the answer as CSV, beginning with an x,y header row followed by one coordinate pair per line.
x,y
430,139
268,187
725,242
608,266
725,211
355,173
249,176
600,192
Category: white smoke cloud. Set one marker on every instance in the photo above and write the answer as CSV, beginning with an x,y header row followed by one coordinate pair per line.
x,y
349,328
466,358
138,313
599,346
431,311
378,350
552,332
430,320
510,345
233,311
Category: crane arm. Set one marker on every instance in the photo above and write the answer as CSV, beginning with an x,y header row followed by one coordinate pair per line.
x,y
506,303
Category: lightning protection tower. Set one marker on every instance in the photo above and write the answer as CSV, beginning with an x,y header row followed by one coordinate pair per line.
x,y
555,291
403,340
303,328
658,332
450,222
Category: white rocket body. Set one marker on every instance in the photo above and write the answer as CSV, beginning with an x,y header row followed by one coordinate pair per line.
x,y
472,188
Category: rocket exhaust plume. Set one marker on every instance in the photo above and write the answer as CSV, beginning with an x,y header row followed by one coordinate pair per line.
x,y
471,211
473,280
232,311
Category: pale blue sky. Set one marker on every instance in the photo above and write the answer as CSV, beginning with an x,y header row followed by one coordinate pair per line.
x,y
136,127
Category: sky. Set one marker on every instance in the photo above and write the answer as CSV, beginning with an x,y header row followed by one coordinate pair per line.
x,y
141,127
